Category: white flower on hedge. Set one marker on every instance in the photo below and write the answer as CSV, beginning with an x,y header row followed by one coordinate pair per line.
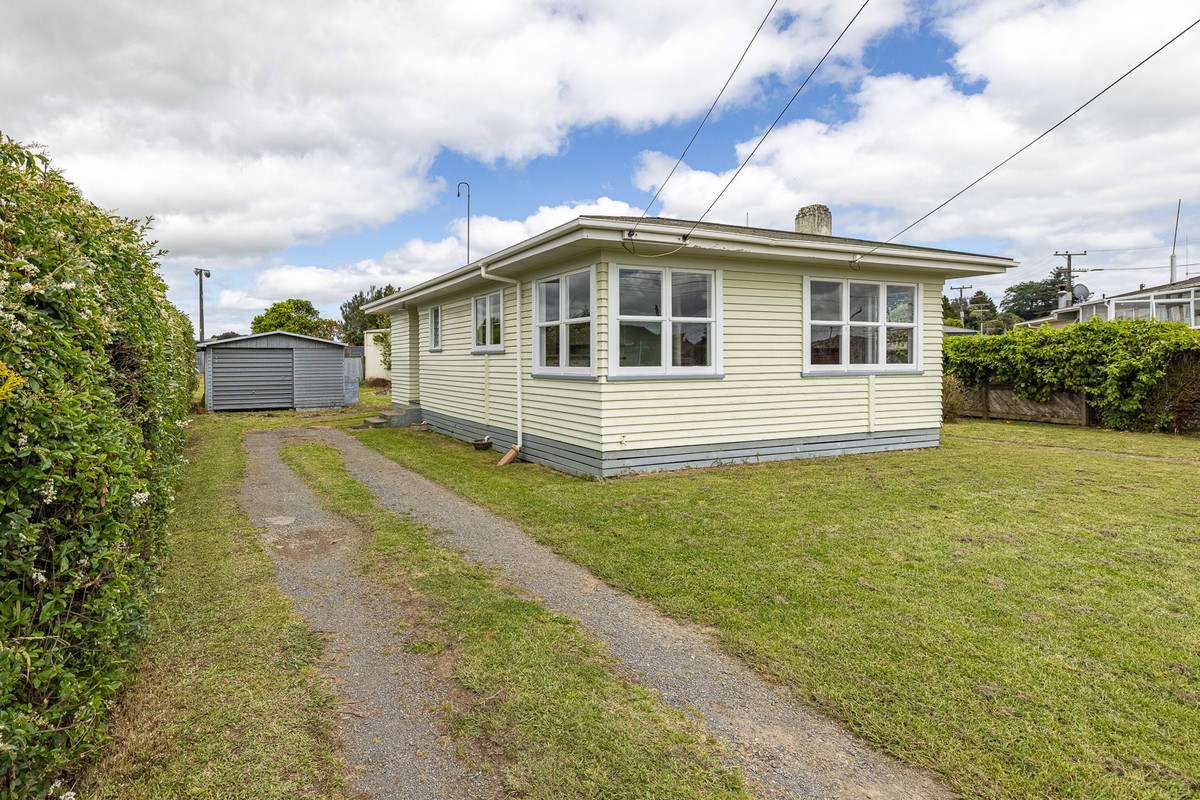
x,y
39,576
27,287
22,440
67,796
49,492
140,498
67,285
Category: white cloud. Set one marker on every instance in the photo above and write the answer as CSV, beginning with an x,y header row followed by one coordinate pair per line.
x,y
1106,179
249,127
244,289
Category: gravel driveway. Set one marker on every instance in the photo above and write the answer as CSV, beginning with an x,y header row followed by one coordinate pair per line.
x,y
783,747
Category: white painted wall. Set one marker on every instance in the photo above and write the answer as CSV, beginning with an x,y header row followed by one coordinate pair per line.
x,y
373,356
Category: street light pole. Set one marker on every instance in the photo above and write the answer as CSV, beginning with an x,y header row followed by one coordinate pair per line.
x,y
202,274
460,185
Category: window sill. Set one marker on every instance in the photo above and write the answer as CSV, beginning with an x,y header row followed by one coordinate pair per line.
x,y
487,351
668,376
850,373
435,349
566,376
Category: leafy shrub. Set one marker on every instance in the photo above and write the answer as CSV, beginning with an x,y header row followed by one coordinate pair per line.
x,y
954,398
384,340
1117,365
1174,404
91,439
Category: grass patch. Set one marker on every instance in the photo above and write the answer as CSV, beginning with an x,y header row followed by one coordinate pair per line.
x,y
1160,445
542,692
225,701
1022,621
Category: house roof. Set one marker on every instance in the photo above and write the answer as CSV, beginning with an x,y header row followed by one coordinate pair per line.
x,y
1186,283
954,330
654,237
211,342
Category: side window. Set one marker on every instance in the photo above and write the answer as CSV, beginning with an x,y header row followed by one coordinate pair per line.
x,y
435,329
563,321
853,326
666,321
486,318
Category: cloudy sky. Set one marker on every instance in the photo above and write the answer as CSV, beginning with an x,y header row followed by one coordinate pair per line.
x,y
310,149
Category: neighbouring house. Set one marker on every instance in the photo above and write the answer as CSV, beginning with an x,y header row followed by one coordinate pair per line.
x,y
954,330
373,355
1177,301
611,344
274,370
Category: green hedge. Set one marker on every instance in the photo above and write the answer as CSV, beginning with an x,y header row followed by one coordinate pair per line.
x,y
1117,365
99,367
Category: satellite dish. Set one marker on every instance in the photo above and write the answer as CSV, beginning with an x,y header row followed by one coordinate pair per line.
x,y
1082,292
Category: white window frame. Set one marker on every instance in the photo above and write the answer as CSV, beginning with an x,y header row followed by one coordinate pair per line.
x,y
881,367
562,324
487,347
666,370
435,328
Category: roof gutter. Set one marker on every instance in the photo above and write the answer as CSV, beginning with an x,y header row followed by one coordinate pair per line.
x,y
512,453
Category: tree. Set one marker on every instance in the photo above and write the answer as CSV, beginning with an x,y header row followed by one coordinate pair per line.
x,y
949,309
980,310
355,320
1001,323
296,316
1031,299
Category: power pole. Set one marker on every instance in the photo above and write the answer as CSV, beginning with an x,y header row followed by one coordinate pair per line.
x,y
202,274
962,304
1070,273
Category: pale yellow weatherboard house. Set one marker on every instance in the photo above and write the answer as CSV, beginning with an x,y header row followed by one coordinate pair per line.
x,y
659,344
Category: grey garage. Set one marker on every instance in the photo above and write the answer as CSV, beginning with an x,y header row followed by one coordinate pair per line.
x,y
274,370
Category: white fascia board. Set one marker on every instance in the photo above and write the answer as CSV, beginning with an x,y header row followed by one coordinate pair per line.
x,y
587,233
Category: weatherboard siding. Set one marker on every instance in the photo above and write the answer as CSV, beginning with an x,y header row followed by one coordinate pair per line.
x,y
762,407
763,394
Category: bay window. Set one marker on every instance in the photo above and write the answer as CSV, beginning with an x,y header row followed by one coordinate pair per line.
x,y
665,321
563,325
860,326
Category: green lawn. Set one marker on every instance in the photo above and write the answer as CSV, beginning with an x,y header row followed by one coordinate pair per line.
x,y
225,701
1022,620
540,694
1154,445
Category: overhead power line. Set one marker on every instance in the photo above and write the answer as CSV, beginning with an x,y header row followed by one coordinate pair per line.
x,y
709,114
767,133
1038,138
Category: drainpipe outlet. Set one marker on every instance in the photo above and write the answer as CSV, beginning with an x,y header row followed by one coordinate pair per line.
x,y
509,457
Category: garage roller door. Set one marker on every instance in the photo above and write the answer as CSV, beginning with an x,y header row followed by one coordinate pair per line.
x,y
246,379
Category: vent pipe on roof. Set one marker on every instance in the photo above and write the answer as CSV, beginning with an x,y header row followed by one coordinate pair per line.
x,y
814,219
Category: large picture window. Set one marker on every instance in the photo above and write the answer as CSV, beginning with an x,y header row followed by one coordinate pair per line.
x,y
563,322
666,321
853,326
487,314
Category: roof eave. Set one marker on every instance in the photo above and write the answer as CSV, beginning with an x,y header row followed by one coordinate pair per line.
x,y
659,239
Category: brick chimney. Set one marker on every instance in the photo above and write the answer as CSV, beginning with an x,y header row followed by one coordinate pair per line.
x,y
814,219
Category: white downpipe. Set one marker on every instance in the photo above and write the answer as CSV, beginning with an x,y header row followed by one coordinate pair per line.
x,y
520,367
